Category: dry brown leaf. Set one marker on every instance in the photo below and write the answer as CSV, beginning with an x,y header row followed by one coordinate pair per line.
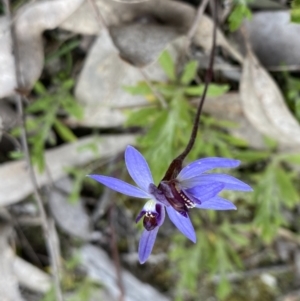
x,y
15,182
9,288
274,39
72,218
229,107
204,34
264,105
101,269
134,28
7,63
30,276
174,15
141,44
100,85
170,13
31,21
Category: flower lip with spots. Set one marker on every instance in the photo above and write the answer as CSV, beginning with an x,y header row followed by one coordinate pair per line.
x,y
193,187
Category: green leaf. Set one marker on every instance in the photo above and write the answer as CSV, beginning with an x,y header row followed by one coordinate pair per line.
x,y
286,188
66,48
68,84
189,72
295,12
37,156
268,215
291,158
232,140
40,105
64,132
77,185
16,155
224,288
213,90
72,107
39,88
142,88
270,143
167,90
166,62
239,12
252,155
91,146
141,117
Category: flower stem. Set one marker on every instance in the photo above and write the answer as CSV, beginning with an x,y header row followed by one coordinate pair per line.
x,y
176,164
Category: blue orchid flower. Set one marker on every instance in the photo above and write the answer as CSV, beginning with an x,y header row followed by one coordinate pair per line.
x,y
192,187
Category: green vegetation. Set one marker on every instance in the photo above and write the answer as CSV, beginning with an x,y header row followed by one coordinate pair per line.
x,y
222,236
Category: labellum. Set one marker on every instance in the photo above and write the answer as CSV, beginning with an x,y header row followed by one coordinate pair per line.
x,y
176,197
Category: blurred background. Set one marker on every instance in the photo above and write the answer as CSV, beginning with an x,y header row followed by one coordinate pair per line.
x,y
82,79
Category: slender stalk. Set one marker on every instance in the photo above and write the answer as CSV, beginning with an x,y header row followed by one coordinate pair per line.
x,y
19,104
176,164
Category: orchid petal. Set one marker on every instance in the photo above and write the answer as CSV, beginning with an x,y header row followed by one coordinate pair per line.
x,y
230,183
158,194
217,203
198,167
161,214
120,186
140,215
138,168
182,223
206,192
146,244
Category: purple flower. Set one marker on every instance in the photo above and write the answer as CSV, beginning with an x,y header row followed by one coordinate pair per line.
x,y
193,187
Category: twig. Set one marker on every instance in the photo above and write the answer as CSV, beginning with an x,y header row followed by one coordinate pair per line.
x,y
197,19
289,235
18,98
99,18
154,90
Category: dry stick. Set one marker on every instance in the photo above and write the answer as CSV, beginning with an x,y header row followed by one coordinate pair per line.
x,y
99,18
50,247
19,104
154,90
116,258
197,19
176,164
